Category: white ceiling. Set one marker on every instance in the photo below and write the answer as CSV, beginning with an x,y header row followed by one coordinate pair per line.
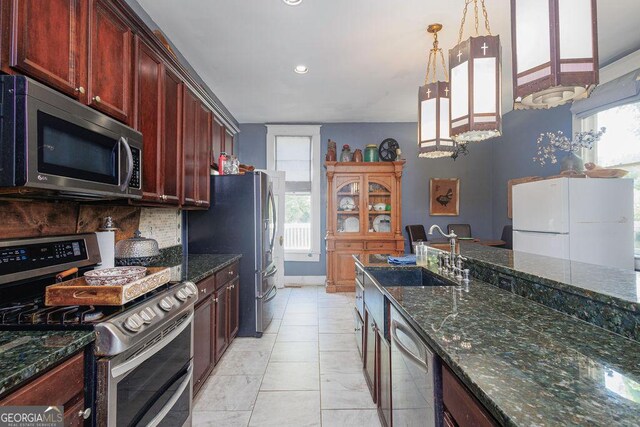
x,y
366,57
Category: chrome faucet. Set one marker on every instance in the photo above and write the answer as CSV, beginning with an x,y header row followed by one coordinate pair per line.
x,y
451,263
452,240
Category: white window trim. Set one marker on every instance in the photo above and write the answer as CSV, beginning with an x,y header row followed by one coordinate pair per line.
x,y
312,131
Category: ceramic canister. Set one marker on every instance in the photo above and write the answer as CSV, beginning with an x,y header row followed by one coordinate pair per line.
x,y
371,153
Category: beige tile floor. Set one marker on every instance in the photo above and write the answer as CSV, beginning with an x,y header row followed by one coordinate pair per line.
x,y
305,371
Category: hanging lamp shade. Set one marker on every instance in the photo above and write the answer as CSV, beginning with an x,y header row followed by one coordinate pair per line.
x,y
433,107
559,64
476,86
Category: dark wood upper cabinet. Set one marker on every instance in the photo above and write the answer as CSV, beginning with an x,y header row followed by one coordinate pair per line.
x,y
157,115
203,140
47,42
100,53
148,84
190,106
172,139
109,62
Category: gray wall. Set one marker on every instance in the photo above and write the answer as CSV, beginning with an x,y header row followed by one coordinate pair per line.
x,y
513,153
473,170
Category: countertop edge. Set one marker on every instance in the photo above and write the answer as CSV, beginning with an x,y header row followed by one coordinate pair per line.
x,y
26,374
212,270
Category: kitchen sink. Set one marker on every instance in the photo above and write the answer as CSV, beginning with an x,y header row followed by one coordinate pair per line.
x,y
408,276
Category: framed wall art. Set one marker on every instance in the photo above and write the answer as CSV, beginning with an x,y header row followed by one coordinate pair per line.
x,y
444,197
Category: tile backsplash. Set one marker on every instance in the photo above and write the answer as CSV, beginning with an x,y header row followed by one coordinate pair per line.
x,y
163,225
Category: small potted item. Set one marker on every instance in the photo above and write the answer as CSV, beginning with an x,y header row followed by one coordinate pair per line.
x,y
357,155
371,153
346,153
137,251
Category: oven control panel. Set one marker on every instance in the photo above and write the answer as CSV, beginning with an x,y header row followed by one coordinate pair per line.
x,y
19,258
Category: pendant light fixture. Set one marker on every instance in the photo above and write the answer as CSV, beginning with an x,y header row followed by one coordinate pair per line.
x,y
559,64
475,72
433,106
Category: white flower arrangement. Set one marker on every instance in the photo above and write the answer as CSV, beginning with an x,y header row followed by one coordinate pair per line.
x,y
557,141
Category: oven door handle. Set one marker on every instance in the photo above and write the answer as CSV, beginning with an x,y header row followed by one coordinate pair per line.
x,y
133,363
165,410
124,185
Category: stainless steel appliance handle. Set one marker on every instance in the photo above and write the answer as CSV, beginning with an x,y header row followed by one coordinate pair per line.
x,y
269,298
133,363
395,326
275,218
271,272
124,185
165,410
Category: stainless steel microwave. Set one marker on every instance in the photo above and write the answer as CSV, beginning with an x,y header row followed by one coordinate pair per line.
x,y
53,145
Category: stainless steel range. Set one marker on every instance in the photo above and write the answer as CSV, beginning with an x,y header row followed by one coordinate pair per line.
x,y
143,350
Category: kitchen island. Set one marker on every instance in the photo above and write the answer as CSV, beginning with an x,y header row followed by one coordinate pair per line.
x,y
525,363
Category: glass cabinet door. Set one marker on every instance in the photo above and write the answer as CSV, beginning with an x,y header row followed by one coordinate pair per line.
x,y
348,208
379,207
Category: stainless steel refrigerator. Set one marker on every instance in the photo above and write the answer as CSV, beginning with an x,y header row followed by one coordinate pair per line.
x,y
241,220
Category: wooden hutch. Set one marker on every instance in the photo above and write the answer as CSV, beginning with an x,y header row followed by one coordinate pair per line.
x,y
364,216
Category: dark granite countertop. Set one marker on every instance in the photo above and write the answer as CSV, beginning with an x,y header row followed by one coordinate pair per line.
x,y
528,364
199,266
25,354
610,285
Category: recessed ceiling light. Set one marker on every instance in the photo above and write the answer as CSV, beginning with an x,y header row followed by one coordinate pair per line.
x,y
292,2
301,69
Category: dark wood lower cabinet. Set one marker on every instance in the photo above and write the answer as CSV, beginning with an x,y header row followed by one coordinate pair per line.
x,y
460,407
216,321
234,308
222,337
61,386
202,343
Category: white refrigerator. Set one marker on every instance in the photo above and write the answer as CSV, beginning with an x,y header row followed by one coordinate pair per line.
x,y
586,220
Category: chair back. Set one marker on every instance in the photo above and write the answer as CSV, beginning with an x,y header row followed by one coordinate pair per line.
x,y
461,230
415,233
507,236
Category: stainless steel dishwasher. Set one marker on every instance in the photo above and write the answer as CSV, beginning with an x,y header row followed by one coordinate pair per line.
x,y
416,377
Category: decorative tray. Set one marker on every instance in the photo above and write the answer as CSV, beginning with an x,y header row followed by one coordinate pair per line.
x,y
606,173
78,292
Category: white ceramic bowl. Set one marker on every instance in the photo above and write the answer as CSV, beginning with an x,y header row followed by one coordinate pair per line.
x,y
380,207
116,276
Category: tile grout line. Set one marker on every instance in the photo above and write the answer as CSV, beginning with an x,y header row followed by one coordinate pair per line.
x,y
269,359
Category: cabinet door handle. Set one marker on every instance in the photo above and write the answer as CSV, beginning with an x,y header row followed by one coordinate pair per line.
x,y
204,291
230,272
97,99
85,414
215,300
80,89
